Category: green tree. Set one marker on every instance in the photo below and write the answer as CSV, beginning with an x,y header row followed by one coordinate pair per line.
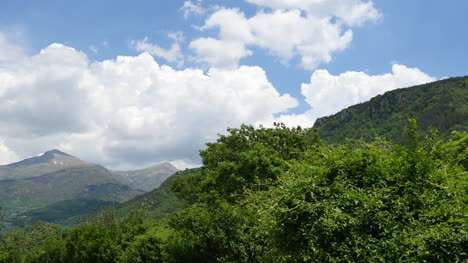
x,y
216,227
148,247
15,245
52,251
456,150
368,203
246,158
98,239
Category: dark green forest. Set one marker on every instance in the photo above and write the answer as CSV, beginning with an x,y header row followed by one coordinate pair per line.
x,y
282,195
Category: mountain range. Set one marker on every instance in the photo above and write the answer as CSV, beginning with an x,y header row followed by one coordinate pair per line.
x,y
31,188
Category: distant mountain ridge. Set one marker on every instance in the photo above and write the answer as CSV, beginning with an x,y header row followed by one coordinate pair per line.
x,y
440,105
146,179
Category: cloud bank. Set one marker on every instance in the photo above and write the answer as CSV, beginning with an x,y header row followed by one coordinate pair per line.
x,y
130,110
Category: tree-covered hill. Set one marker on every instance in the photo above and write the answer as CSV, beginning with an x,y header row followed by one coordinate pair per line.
x,y
441,105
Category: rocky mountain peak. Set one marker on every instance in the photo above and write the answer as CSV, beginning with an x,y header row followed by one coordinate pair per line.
x,y
47,156
55,151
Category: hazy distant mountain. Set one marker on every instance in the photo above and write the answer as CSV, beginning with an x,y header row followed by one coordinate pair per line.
x,y
146,179
441,105
58,181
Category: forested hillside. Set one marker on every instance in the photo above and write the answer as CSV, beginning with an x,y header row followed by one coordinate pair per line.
x,y
281,195
441,105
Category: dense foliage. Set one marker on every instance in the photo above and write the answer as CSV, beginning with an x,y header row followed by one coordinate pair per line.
x,y
441,105
280,195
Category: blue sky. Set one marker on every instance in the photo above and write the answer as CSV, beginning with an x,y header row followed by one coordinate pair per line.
x,y
340,53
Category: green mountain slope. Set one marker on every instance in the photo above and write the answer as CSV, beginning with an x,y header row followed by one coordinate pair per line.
x,y
81,180
39,187
441,105
160,202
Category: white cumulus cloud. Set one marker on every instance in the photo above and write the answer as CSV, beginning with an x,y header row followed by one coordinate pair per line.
x,y
126,112
309,29
219,53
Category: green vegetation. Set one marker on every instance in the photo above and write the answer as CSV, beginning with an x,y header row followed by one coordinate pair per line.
x,y
67,212
159,203
92,182
59,188
280,195
441,105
